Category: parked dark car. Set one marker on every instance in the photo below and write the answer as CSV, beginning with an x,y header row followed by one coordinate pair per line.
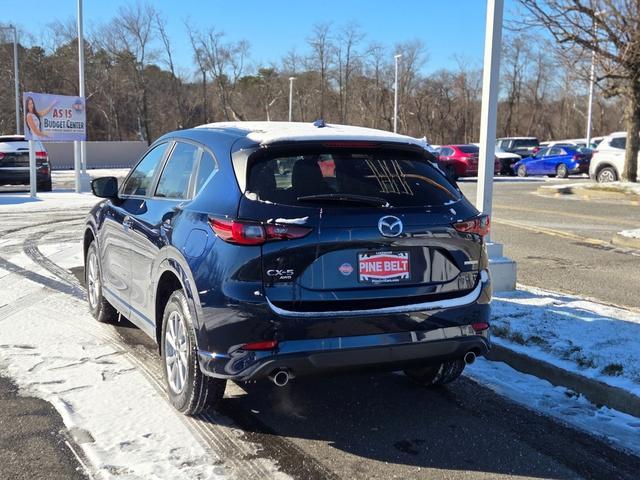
x,y
461,160
523,146
255,250
14,163
559,161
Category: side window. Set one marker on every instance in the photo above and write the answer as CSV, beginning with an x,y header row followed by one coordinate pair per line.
x,y
139,182
206,168
174,181
619,142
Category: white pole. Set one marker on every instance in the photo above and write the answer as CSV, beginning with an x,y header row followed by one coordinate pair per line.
x,y
489,109
33,180
79,147
592,80
16,77
291,79
395,97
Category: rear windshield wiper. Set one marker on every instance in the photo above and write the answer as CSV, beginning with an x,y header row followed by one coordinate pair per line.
x,y
345,198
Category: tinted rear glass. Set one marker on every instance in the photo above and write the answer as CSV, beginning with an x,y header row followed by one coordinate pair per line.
x,y
400,178
525,143
468,148
619,142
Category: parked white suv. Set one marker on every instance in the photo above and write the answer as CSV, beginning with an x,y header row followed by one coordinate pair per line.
x,y
608,160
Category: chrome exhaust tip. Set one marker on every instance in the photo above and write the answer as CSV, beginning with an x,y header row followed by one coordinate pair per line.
x,y
469,358
280,377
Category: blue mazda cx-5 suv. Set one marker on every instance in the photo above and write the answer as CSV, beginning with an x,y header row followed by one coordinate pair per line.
x,y
273,250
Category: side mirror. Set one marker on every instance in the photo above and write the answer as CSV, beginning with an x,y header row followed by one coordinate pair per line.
x,y
105,187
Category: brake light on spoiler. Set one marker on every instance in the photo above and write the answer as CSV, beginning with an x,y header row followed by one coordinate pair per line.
x,y
479,225
253,233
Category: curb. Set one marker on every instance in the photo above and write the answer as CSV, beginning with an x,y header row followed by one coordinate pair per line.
x,y
596,392
588,193
628,242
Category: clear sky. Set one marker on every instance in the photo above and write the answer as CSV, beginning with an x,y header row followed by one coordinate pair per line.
x,y
448,28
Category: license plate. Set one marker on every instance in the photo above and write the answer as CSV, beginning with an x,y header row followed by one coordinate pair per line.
x,y
383,267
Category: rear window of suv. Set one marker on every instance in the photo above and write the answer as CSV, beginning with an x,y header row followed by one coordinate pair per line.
x,y
525,143
468,148
401,179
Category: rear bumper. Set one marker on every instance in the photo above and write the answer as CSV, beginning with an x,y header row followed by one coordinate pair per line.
x,y
380,352
580,168
20,176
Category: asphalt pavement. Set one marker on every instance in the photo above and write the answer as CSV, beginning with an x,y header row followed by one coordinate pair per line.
x,y
563,243
33,439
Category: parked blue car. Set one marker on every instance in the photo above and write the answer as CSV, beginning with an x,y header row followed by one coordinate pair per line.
x,y
557,161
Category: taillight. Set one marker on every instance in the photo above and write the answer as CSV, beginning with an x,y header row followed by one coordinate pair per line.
x,y
480,327
251,233
265,345
1,155
41,155
478,225
535,150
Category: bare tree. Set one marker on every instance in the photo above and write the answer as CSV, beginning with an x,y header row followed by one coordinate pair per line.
x,y
320,59
347,59
128,37
225,61
610,29
198,56
176,84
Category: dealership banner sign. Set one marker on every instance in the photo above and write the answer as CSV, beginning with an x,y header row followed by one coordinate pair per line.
x,y
54,118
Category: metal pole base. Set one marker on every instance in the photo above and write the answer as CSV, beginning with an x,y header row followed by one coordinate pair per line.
x,y
503,269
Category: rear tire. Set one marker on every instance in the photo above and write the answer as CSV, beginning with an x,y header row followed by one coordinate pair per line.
x,y
45,186
189,390
562,171
99,307
606,175
522,171
436,375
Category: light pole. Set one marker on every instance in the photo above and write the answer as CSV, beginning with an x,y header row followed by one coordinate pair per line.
x,y
395,96
80,150
590,109
291,79
15,73
503,269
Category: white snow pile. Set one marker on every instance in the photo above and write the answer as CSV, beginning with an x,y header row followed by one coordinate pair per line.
x,y
621,187
594,340
558,402
630,233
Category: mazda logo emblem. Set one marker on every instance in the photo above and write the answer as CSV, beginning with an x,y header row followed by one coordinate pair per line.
x,y
390,226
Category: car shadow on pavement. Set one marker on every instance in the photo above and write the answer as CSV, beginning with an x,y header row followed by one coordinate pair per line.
x,y
9,198
408,429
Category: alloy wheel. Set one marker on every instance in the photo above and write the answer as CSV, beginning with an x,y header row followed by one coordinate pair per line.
x,y
93,279
176,356
606,176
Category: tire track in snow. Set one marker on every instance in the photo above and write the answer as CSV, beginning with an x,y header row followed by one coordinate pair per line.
x,y
241,456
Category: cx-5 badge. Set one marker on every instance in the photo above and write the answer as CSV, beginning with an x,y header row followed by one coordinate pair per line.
x,y
390,226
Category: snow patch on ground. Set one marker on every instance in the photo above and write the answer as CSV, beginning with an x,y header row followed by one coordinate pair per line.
x,y
594,340
53,349
630,233
558,402
46,201
622,187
